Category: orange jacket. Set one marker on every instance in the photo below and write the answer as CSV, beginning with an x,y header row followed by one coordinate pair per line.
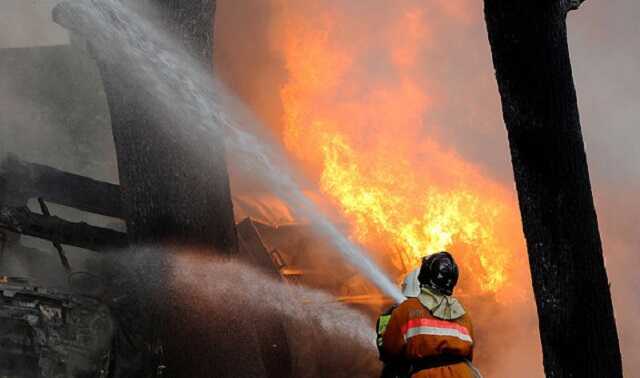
x,y
413,334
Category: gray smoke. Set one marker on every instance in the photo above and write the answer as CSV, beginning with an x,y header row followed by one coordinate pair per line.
x,y
605,51
27,23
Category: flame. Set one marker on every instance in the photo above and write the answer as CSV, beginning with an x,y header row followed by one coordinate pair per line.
x,y
416,218
356,103
403,193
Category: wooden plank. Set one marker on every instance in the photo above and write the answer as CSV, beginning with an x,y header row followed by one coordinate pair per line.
x,y
21,181
23,221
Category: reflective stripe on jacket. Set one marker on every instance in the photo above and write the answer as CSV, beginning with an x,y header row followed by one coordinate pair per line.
x,y
413,334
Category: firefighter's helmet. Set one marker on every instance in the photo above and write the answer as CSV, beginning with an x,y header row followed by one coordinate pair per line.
x,y
439,273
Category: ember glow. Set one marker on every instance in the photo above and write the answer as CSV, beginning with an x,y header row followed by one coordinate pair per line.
x,y
356,103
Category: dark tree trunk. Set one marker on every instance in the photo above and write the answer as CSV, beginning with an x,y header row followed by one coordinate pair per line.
x,y
193,22
175,187
174,178
530,54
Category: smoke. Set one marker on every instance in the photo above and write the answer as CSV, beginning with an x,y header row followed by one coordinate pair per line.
x,y
28,23
53,111
621,243
605,56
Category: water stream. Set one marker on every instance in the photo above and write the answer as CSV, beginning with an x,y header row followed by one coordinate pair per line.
x,y
128,39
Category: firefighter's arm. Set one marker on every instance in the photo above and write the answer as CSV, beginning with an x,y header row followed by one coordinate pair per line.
x,y
393,339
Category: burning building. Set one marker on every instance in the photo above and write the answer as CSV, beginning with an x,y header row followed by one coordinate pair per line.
x,y
363,101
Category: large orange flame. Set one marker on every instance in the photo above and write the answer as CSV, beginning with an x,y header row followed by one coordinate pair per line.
x,y
401,190
356,103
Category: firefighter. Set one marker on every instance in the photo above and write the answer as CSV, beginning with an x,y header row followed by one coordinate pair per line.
x,y
432,333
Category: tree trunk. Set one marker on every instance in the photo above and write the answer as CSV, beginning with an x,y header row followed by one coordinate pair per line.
x,y
530,54
176,187
193,22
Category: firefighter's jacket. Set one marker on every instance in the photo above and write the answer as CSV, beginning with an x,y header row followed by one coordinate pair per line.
x,y
415,336
390,369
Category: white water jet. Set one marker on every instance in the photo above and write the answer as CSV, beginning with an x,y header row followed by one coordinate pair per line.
x,y
122,36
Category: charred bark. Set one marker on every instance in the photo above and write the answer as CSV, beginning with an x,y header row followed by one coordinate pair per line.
x,y
530,54
175,192
192,21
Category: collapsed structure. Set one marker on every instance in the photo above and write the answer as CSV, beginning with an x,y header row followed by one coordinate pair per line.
x,y
46,333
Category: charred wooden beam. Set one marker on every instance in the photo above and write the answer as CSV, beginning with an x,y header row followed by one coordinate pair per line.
x,y
21,181
23,221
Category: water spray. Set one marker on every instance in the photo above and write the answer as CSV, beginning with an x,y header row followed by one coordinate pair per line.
x,y
158,63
